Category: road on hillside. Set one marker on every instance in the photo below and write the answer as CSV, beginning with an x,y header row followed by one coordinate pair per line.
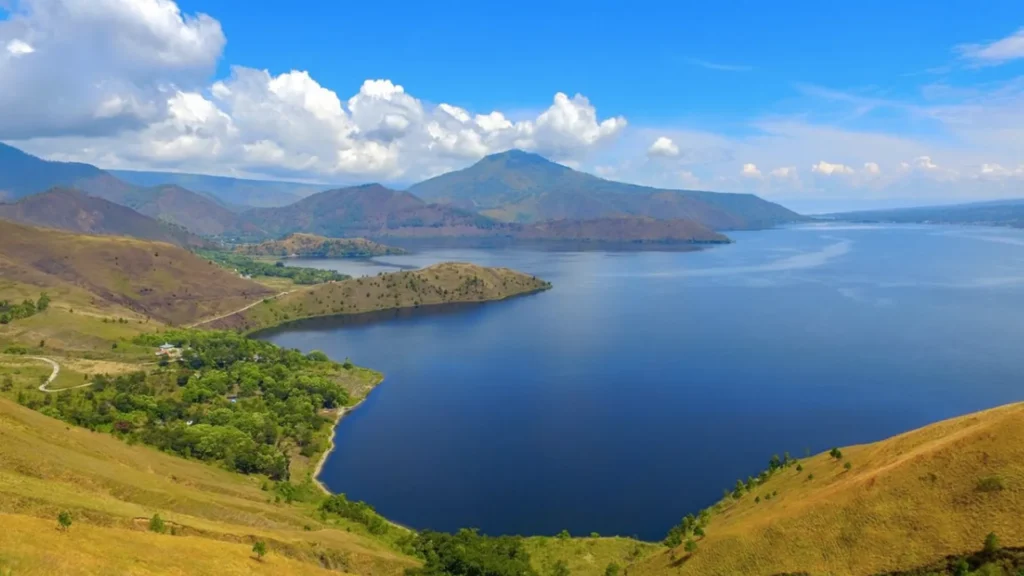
x,y
239,311
53,376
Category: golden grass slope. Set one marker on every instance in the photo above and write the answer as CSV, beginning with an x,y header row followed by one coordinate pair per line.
x,y
439,284
906,502
153,279
112,489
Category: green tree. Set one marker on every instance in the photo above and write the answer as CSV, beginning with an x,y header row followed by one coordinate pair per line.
x,y
691,546
259,548
991,543
836,453
564,535
44,302
698,531
561,569
848,465
64,520
612,569
156,524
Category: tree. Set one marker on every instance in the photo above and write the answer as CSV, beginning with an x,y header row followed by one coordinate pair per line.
x,y
799,467
691,546
961,568
259,548
612,569
561,569
44,302
836,453
991,543
848,465
564,535
64,520
698,531
156,524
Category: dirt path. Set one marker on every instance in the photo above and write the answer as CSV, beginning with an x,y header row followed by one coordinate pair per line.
x,y
53,376
239,311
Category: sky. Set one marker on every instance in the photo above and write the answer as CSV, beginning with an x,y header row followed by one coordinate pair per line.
x,y
817,105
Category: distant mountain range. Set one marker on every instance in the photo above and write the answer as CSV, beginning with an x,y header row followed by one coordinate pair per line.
x,y
994,213
73,210
513,195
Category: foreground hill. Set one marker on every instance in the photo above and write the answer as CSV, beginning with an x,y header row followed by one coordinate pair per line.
x,y
72,210
313,246
154,279
903,503
517,186
438,284
997,213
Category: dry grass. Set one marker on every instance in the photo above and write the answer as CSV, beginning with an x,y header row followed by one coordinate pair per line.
x,y
587,556
907,501
110,486
438,284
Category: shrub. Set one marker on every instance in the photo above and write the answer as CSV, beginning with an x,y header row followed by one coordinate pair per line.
x,y
564,535
990,484
991,543
836,453
64,520
810,477
156,524
691,546
848,465
612,569
259,548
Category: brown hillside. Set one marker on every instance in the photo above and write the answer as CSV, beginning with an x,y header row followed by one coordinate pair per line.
x,y
438,284
189,210
313,246
905,502
159,280
72,210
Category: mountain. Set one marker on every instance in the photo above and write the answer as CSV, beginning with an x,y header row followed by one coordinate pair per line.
x,y
22,174
238,193
185,208
517,186
369,210
69,209
994,213
313,246
154,279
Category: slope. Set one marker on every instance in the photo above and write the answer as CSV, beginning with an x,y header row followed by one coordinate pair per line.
x,y
904,502
187,209
22,174
72,210
112,489
517,186
239,192
153,279
313,246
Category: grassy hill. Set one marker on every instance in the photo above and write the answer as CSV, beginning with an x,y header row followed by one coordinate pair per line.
x,y
517,186
152,279
439,284
313,246
72,210
905,502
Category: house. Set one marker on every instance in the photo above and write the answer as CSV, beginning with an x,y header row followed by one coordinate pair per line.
x,y
168,350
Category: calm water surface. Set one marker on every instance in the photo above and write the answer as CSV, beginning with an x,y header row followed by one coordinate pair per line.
x,y
645,383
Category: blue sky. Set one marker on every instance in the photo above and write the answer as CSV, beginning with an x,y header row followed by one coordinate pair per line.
x,y
818,105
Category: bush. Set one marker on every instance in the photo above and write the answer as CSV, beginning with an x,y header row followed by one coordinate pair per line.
x,y
991,544
64,520
259,548
848,465
990,484
836,453
691,546
564,535
156,524
468,553
612,569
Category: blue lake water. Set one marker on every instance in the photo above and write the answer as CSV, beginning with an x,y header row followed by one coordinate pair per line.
x,y
644,383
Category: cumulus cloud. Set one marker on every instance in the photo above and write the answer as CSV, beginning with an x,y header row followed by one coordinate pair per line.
x,y
997,52
663,147
828,169
96,67
750,171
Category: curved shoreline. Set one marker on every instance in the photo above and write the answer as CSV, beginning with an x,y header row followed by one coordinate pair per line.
x,y
334,430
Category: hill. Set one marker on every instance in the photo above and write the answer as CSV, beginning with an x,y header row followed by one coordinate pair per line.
x,y
439,284
22,174
153,279
72,210
517,186
187,209
903,503
370,210
996,213
313,246
238,193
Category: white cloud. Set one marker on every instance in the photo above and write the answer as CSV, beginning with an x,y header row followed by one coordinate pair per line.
x,y
784,172
828,169
872,168
663,147
750,171
998,52
19,47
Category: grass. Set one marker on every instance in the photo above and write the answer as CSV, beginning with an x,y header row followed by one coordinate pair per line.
x,y
439,284
908,501
586,556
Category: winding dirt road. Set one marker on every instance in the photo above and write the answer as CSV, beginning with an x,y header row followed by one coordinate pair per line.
x,y
53,376
239,311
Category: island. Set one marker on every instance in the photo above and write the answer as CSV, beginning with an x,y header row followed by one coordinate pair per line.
x,y
301,245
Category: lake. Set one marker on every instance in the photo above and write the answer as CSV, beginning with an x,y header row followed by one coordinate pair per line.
x,y
644,383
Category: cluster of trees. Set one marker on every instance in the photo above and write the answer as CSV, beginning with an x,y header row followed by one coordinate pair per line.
x,y
229,399
10,311
689,527
776,464
249,267
467,553
355,510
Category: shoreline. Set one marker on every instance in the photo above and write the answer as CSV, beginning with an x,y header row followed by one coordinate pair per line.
x,y
334,430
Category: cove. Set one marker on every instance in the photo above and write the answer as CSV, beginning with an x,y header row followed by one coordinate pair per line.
x,y
644,383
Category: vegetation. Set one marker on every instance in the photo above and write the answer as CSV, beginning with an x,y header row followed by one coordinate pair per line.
x,y
313,246
246,266
64,520
360,512
10,311
467,553
244,403
259,548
